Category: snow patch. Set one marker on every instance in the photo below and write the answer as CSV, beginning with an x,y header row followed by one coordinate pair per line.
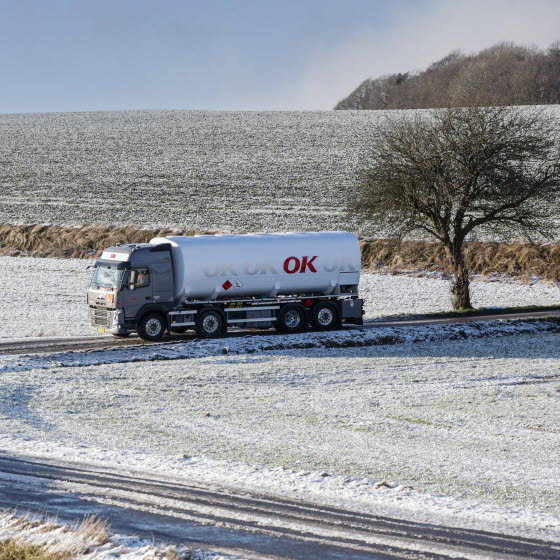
x,y
86,540
251,344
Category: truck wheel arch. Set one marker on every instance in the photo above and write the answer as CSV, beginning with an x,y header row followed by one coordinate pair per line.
x,y
154,308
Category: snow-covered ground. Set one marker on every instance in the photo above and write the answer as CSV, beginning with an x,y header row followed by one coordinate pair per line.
x,y
471,425
46,297
387,295
256,343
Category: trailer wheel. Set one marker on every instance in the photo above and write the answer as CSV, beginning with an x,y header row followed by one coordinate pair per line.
x,y
291,318
209,323
324,316
151,327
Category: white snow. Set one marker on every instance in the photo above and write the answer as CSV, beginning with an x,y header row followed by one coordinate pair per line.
x,y
387,295
469,424
47,296
231,171
43,297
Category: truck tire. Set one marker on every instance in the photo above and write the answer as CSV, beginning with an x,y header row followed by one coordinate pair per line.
x,y
210,324
291,318
151,327
324,317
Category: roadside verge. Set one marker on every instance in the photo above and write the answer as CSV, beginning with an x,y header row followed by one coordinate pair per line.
x,y
200,348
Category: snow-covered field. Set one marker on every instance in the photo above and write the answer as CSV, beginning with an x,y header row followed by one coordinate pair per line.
x,y
229,171
470,425
232,171
46,297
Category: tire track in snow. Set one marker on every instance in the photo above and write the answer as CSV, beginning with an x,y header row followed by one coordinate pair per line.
x,y
234,519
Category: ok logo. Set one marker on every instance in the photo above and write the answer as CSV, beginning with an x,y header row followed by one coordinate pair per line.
x,y
293,264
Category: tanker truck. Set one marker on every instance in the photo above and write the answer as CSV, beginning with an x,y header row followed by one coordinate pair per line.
x,y
289,281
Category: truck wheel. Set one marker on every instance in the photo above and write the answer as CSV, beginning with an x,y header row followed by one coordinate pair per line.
x,y
291,319
324,317
209,324
151,327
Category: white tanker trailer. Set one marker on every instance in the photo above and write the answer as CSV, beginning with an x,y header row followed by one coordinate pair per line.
x,y
290,281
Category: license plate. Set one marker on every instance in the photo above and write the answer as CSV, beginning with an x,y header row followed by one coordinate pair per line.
x,y
100,330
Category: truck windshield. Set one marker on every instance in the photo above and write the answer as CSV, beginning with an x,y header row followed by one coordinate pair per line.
x,y
107,276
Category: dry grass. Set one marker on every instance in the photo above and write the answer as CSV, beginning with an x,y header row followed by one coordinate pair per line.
x,y
93,530
14,550
73,242
522,260
33,537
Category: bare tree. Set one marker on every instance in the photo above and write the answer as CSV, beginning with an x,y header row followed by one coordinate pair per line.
x,y
450,173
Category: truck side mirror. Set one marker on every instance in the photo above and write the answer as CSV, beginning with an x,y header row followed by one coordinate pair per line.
x,y
133,275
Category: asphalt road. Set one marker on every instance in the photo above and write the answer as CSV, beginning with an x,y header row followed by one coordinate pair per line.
x,y
68,344
235,521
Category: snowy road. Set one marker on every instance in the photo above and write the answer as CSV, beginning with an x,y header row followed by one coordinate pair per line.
x,y
239,522
68,344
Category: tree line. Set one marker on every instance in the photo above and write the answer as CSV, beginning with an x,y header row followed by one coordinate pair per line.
x,y
505,74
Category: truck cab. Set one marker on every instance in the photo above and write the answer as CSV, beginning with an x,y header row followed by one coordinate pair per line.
x,y
132,290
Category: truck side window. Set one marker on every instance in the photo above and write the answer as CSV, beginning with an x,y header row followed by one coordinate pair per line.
x,y
143,278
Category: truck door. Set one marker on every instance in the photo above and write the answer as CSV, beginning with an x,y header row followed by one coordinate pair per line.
x,y
162,282
141,294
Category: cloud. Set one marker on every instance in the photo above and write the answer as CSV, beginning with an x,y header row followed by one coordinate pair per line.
x,y
417,37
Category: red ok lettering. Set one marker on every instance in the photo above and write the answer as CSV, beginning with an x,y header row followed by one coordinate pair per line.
x,y
308,263
293,264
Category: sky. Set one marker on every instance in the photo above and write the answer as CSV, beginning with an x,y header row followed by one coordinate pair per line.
x,y
80,55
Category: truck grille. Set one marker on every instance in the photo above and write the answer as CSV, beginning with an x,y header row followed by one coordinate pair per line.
x,y
100,317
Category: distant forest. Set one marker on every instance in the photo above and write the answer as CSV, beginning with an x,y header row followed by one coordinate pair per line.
x,y
505,74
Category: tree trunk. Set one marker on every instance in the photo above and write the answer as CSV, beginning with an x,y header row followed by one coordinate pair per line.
x,y
460,285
